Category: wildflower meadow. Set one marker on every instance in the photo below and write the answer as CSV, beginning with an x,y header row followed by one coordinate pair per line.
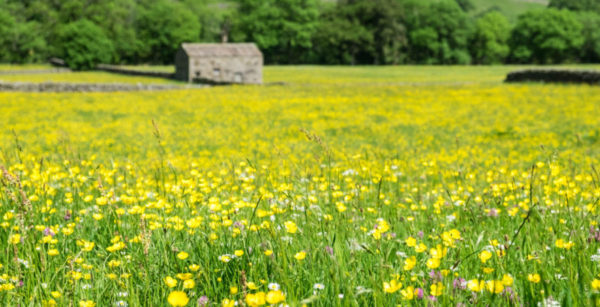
x,y
356,186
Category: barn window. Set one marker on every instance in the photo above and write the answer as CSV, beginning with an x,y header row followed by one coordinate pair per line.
x,y
238,77
216,73
197,74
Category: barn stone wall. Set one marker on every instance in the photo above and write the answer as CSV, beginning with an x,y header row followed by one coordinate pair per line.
x,y
247,69
181,66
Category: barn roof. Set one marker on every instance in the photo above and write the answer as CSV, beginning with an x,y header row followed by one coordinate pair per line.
x,y
224,49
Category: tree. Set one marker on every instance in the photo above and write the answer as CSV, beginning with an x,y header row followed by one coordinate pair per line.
x,y
576,5
590,50
83,45
19,38
161,27
215,18
117,19
26,46
341,40
362,32
7,22
465,5
546,37
282,29
439,32
489,44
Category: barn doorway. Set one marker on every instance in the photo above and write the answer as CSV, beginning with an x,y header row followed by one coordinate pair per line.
x,y
238,77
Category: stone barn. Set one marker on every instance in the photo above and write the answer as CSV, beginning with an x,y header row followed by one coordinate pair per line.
x,y
219,63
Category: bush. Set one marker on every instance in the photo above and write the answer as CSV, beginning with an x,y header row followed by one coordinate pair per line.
x,y
83,45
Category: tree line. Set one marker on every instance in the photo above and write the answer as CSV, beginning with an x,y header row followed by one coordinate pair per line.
x,y
87,32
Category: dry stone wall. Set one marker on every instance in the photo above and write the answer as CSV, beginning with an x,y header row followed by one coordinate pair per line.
x,y
133,72
88,87
555,76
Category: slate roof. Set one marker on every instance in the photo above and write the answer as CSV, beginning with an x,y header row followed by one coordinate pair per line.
x,y
221,50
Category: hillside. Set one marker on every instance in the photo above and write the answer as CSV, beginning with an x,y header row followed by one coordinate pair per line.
x,y
510,8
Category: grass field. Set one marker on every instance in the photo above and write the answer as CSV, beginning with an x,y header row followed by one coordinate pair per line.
x,y
347,186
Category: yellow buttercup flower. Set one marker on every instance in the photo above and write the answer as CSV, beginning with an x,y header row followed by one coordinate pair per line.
x,y
408,293
188,284
228,303
178,298
507,280
534,278
275,297
484,256
87,303
290,227
14,239
411,242
494,286
256,299
436,289
170,281
475,285
410,263
182,255
392,286
300,256
433,263
596,284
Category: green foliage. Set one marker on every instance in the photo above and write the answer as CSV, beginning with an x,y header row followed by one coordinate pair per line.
x,y
6,24
490,40
282,29
215,17
314,31
117,18
465,5
340,40
362,32
590,50
19,41
439,34
83,45
162,26
576,5
546,37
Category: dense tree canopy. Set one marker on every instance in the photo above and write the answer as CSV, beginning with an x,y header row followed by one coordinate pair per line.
x,y
163,25
546,37
590,50
83,45
302,31
439,34
362,32
282,29
576,5
489,43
